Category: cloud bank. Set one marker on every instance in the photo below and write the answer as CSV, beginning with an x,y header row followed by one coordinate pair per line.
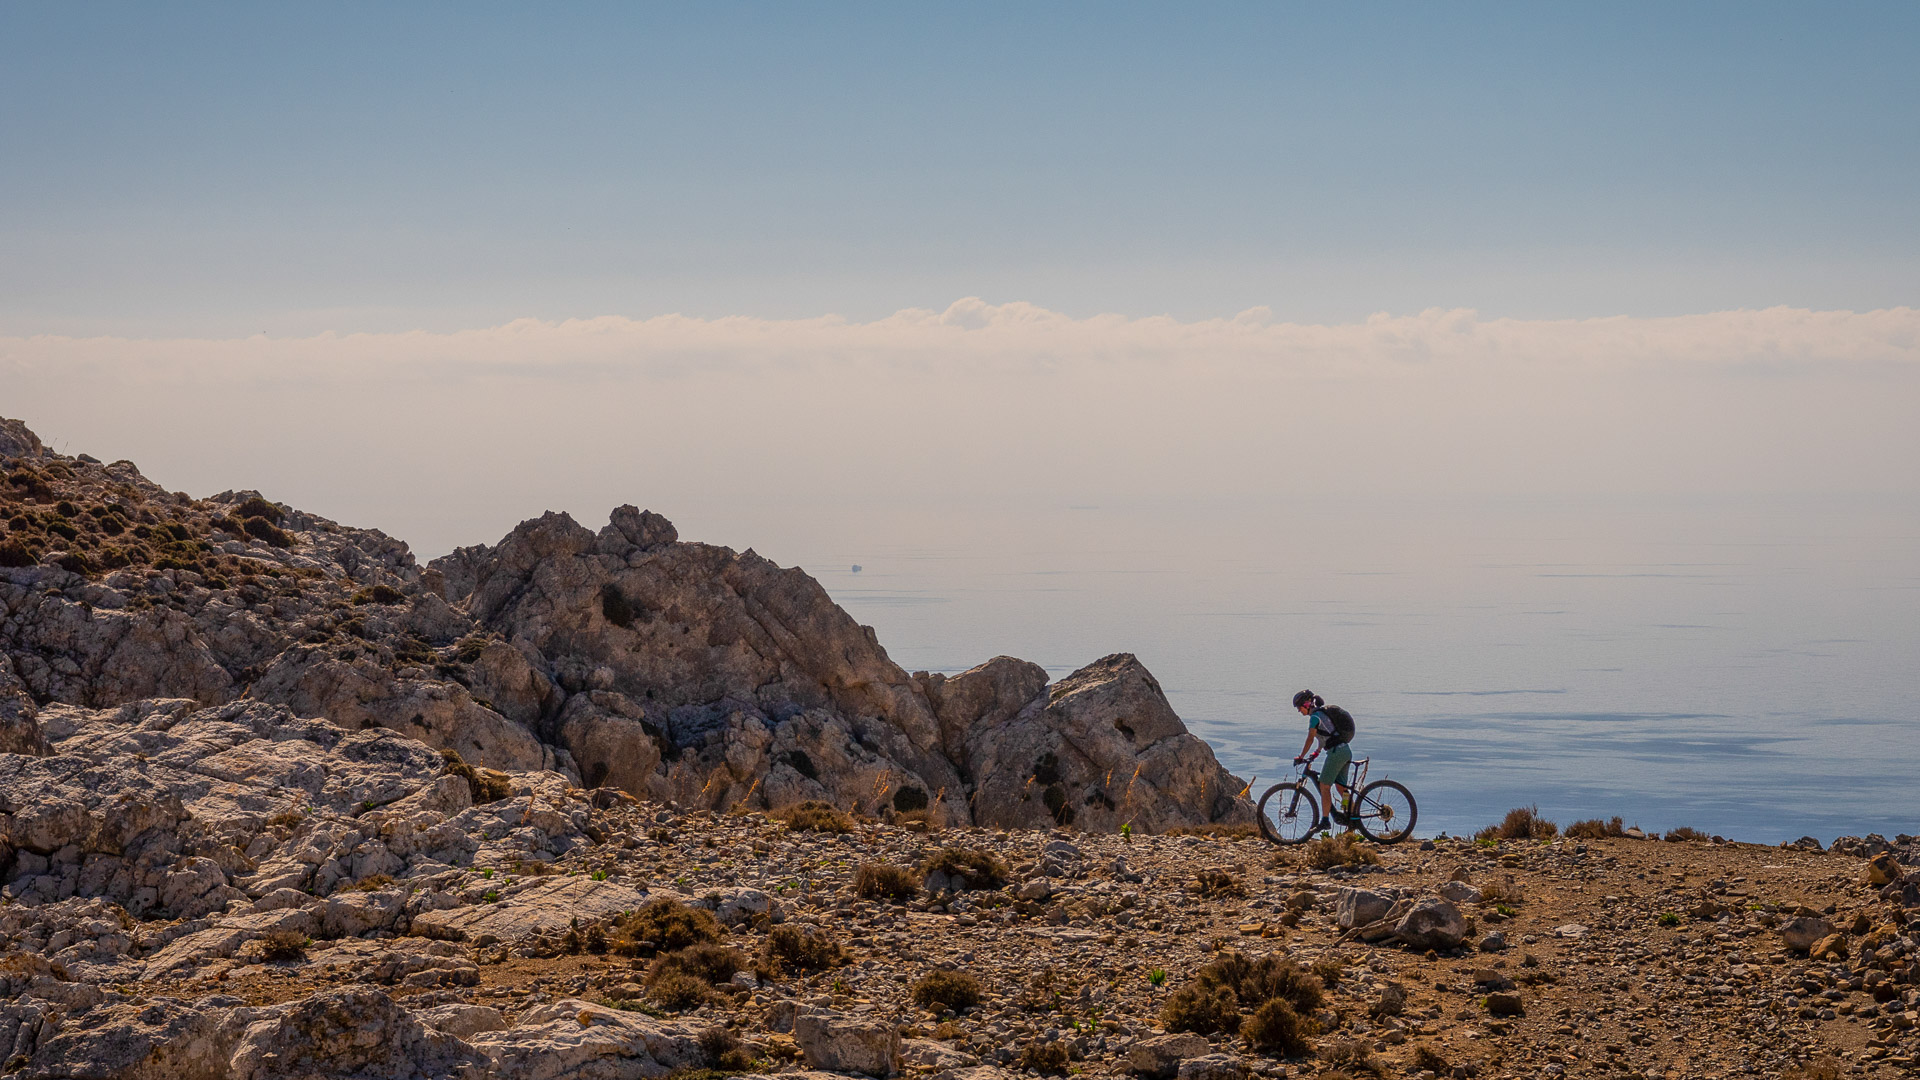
x,y
437,435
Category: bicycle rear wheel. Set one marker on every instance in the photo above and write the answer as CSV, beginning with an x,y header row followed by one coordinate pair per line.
x,y
1385,812
1288,813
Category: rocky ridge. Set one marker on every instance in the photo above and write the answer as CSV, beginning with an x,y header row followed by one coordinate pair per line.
x,y
624,658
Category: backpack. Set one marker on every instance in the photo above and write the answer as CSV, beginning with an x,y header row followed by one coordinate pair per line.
x,y
1342,725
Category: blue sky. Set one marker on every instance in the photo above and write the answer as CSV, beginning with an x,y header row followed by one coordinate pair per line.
x,y
180,170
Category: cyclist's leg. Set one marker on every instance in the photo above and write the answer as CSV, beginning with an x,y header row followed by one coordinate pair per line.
x,y
1339,759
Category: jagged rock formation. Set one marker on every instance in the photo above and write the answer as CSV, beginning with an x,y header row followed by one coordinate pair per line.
x,y
677,672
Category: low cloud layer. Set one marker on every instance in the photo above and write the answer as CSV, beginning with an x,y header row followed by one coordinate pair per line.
x,y
446,438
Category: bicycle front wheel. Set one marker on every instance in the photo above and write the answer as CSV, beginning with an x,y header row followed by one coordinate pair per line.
x,y
1385,812
1288,813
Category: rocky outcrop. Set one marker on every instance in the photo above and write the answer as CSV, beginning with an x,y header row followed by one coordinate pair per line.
x,y
676,672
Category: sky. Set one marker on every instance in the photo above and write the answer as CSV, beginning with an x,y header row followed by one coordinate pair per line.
x,y
439,267
191,171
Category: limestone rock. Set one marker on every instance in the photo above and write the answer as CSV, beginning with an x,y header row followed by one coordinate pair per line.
x,y
1459,892
1213,1067
463,1021
836,1042
1803,932
19,720
1159,1057
543,906
572,1039
1104,747
162,1039
16,441
1358,907
1432,924
345,1033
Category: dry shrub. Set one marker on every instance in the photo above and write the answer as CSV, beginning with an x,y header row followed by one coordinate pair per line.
x,y
979,869
1502,892
1595,829
815,816
1821,1068
679,991
1254,982
1275,1028
1352,1054
922,820
885,881
1425,1057
1329,970
485,785
723,1051
281,945
1216,885
370,883
802,948
1685,832
714,964
954,990
1201,1009
663,925
1044,1057
1521,823
1342,850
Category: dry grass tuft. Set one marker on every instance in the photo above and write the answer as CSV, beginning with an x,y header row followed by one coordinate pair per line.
x,y
1595,829
1521,823
815,816
798,947
1276,1028
663,925
979,869
885,881
1342,850
1216,885
954,990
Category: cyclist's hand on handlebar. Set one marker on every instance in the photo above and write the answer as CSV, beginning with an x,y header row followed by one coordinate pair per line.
x,y
1301,760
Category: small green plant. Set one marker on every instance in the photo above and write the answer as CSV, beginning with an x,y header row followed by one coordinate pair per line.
x,y
1126,832
487,873
598,875
1668,918
1504,910
1157,977
492,896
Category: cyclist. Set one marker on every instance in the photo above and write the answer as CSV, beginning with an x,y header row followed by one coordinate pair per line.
x,y
1333,737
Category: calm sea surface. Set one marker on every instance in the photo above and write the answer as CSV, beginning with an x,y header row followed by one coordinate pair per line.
x,y
1750,668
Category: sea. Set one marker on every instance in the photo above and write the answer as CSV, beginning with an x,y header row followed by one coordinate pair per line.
x,y
1745,666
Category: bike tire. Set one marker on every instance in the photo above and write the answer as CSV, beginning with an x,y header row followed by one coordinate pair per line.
x,y
1288,813
1385,812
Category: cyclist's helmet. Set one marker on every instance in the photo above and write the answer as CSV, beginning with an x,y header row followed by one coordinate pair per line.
x,y
1305,696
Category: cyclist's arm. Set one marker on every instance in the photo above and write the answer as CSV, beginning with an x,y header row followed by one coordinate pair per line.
x,y
1308,745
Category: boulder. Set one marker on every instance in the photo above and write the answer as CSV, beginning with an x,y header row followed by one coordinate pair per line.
x,y
1213,1067
836,1042
19,719
161,1039
1831,947
1505,1005
1432,924
1102,747
347,1033
1803,932
544,906
1358,907
462,1020
572,1039
1459,892
1159,1057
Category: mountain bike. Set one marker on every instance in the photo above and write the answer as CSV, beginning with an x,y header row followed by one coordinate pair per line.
x,y
1383,811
